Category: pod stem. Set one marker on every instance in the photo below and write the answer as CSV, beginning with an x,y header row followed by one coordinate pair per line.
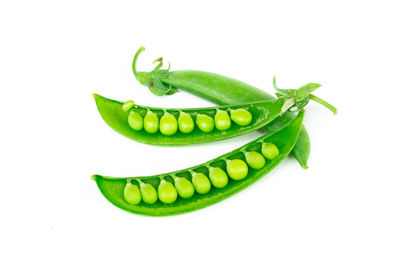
x,y
153,79
135,58
297,99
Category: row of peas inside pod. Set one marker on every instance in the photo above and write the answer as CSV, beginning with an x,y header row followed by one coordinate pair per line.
x,y
168,124
198,182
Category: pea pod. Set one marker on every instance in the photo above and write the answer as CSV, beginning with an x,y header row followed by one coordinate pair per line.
x,y
114,189
118,117
221,90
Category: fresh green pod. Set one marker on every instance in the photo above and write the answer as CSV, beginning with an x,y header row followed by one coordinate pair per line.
x,y
205,123
112,113
168,124
241,117
221,90
255,160
151,122
135,121
185,123
218,177
113,188
222,120
269,150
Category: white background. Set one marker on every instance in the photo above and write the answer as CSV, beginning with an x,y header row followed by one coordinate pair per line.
x,y
55,54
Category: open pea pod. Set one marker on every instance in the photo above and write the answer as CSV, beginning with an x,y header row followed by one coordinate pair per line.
x,y
159,126
203,185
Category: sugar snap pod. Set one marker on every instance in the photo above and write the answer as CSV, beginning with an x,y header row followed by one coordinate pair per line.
x,y
203,185
218,89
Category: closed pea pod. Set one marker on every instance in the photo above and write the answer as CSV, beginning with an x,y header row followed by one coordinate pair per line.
x,y
184,187
205,195
167,192
201,182
135,121
168,124
205,123
255,160
185,123
222,120
237,169
269,150
132,193
218,177
151,122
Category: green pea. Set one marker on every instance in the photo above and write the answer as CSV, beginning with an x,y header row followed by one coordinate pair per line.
x,y
218,177
184,187
222,120
237,169
149,193
201,183
255,160
269,150
205,123
168,124
185,122
127,105
241,117
135,121
132,194
151,122
167,192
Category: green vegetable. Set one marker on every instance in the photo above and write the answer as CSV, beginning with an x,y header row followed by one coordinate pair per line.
x,y
255,160
165,131
151,122
167,192
205,123
241,117
269,150
185,123
218,177
168,124
148,192
222,120
135,121
114,188
237,169
132,194
184,187
225,91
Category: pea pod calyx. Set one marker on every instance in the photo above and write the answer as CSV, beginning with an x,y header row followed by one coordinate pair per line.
x,y
153,78
296,99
